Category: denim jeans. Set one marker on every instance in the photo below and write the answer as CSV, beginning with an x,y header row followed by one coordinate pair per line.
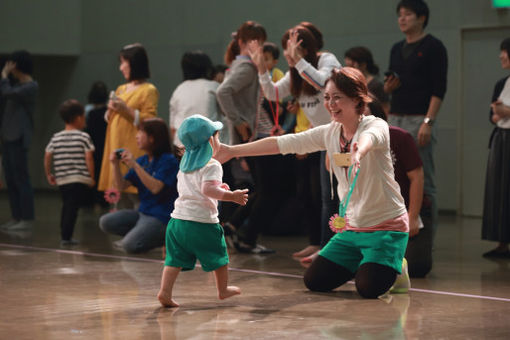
x,y
141,232
412,123
19,189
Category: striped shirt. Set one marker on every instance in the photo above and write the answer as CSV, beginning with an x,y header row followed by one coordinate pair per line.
x,y
68,148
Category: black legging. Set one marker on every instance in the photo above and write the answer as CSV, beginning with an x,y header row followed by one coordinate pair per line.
x,y
372,279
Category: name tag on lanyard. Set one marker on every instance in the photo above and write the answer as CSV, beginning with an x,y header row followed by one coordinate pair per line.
x,y
342,159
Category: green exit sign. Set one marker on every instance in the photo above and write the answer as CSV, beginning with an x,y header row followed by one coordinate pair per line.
x,y
500,3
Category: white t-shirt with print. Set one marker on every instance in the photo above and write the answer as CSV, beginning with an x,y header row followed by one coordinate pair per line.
x,y
192,204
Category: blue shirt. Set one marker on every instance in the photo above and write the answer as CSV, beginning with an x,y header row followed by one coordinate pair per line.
x,y
163,168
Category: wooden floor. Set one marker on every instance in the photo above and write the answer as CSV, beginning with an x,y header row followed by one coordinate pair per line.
x,y
94,292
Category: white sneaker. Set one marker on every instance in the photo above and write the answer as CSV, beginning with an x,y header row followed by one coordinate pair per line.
x,y
8,224
22,225
402,283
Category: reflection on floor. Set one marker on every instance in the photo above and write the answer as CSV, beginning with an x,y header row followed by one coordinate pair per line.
x,y
95,292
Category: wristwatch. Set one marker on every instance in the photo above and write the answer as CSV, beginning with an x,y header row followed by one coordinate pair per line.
x,y
428,121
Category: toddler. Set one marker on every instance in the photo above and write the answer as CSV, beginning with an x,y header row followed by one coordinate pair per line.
x,y
71,151
193,232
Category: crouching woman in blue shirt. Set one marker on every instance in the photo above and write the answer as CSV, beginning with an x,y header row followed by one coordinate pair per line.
x,y
155,176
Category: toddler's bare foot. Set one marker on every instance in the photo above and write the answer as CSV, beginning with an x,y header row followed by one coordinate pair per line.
x,y
228,292
306,251
307,261
166,300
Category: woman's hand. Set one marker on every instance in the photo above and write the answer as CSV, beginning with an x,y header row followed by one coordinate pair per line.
x,y
118,105
114,159
294,49
127,158
224,154
289,59
355,158
244,131
8,67
391,83
257,55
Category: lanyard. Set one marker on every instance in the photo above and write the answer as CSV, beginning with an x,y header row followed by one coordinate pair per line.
x,y
343,204
277,113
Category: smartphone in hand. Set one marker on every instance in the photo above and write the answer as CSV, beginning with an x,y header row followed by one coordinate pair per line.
x,y
391,73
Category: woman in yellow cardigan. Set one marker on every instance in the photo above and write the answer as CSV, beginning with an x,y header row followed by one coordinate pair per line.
x,y
134,101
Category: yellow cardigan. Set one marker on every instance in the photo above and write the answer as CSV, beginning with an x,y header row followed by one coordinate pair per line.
x,y
121,132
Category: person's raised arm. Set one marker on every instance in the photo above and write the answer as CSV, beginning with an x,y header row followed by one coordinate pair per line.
x,y
315,76
270,89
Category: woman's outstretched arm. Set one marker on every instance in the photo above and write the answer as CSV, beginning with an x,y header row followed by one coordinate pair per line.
x,y
266,146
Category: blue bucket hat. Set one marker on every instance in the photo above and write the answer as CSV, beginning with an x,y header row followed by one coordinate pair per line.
x,y
194,134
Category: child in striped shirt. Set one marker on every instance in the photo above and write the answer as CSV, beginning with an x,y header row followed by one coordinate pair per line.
x,y
71,152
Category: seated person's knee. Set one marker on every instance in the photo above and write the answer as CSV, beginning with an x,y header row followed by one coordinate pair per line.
x,y
370,290
313,284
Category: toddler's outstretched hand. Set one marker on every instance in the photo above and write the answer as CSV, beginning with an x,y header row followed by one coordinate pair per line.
x,y
240,196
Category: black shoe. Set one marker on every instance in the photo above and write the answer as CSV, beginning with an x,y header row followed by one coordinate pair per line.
x,y
69,243
494,253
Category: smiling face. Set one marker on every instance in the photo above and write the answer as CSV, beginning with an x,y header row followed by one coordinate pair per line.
x,y
408,22
340,107
125,68
504,58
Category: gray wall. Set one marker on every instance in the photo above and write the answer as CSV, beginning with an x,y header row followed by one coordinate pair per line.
x,y
77,42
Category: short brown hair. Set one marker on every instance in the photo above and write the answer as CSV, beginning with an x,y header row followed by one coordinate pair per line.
x,y
70,109
250,30
353,84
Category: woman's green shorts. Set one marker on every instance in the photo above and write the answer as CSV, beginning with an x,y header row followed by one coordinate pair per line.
x,y
351,249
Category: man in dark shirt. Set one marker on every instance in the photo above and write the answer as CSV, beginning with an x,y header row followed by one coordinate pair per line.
x,y
16,134
417,83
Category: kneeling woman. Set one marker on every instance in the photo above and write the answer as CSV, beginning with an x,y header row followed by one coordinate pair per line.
x,y
371,243
155,177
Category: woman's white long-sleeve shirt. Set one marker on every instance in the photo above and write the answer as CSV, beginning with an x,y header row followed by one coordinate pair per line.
x,y
313,106
376,197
